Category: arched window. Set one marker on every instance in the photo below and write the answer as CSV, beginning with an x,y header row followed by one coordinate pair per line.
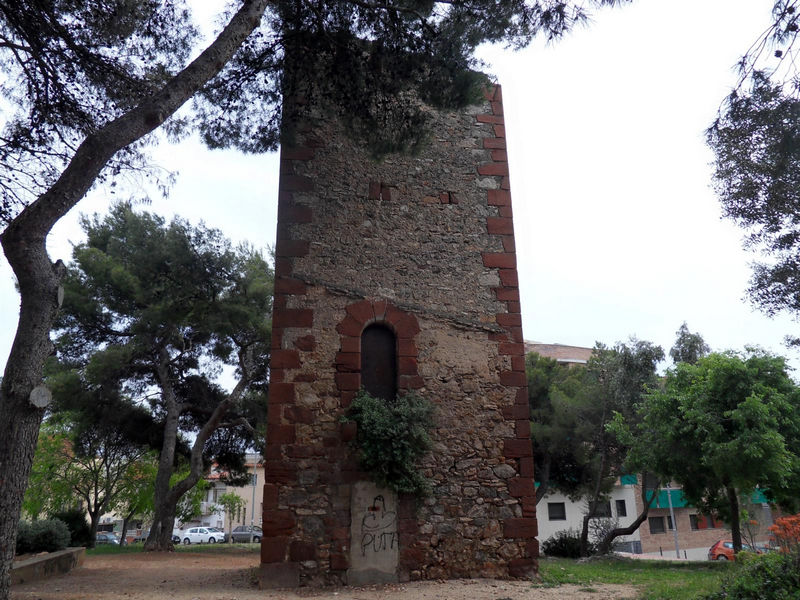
x,y
379,362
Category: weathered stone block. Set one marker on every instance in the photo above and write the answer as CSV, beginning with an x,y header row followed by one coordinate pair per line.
x,y
514,448
273,549
276,523
301,550
300,317
520,528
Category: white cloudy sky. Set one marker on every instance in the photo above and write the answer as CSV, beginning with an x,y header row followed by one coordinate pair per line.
x,y
618,231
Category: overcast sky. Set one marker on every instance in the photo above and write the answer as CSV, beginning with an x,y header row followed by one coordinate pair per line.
x,y
618,231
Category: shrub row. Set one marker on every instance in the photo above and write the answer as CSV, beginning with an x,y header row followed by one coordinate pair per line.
x,y
773,576
42,536
565,544
79,529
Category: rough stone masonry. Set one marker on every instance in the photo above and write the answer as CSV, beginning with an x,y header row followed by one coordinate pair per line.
x,y
423,246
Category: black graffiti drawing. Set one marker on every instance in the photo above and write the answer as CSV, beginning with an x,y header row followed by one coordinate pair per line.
x,y
378,530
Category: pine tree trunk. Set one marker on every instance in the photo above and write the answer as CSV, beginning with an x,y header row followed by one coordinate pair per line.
x,y
94,520
160,536
38,281
585,535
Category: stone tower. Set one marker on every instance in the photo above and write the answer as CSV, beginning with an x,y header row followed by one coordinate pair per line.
x,y
420,251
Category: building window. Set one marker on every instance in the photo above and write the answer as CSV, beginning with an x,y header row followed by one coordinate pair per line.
x,y
601,509
669,523
379,362
622,510
556,511
698,522
656,524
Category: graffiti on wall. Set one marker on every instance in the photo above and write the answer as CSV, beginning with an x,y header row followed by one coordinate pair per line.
x,y
378,528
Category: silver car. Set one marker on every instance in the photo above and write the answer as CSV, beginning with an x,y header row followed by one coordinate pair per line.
x,y
242,533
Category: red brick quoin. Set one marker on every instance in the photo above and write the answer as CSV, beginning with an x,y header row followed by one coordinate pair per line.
x,y
518,449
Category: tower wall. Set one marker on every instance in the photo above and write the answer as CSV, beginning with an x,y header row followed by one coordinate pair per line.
x,y
425,246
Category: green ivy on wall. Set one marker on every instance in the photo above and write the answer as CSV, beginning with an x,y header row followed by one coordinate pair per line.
x,y
391,439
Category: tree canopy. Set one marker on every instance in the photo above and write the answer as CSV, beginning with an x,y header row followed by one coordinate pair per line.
x,y
558,431
721,428
756,143
689,347
160,310
571,410
75,68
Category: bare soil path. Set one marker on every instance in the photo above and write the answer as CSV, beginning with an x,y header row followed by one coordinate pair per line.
x,y
228,576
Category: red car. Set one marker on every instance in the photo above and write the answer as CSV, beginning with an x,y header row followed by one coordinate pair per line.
x,y
723,550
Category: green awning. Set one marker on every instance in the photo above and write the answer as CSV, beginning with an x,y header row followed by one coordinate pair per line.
x,y
678,500
628,480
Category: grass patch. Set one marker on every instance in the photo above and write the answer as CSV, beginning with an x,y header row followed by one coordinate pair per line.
x,y
220,548
107,549
656,579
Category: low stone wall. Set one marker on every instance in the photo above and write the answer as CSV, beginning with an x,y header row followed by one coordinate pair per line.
x,y
47,565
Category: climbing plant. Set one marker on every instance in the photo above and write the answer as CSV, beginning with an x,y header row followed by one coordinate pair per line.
x,y
392,437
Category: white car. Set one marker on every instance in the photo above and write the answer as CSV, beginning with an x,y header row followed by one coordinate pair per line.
x,y
201,535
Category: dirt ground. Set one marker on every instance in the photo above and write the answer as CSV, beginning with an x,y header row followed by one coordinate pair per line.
x,y
203,576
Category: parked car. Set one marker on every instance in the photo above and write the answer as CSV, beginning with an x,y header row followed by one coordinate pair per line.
x,y
201,535
723,550
141,538
242,533
106,537
223,535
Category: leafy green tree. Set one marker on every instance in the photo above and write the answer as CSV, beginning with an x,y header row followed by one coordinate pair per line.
x,y
166,307
135,498
689,347
190,505
83,470
617,378
231,505
49,492
62,57
571,413
558,429
722,427
87,83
